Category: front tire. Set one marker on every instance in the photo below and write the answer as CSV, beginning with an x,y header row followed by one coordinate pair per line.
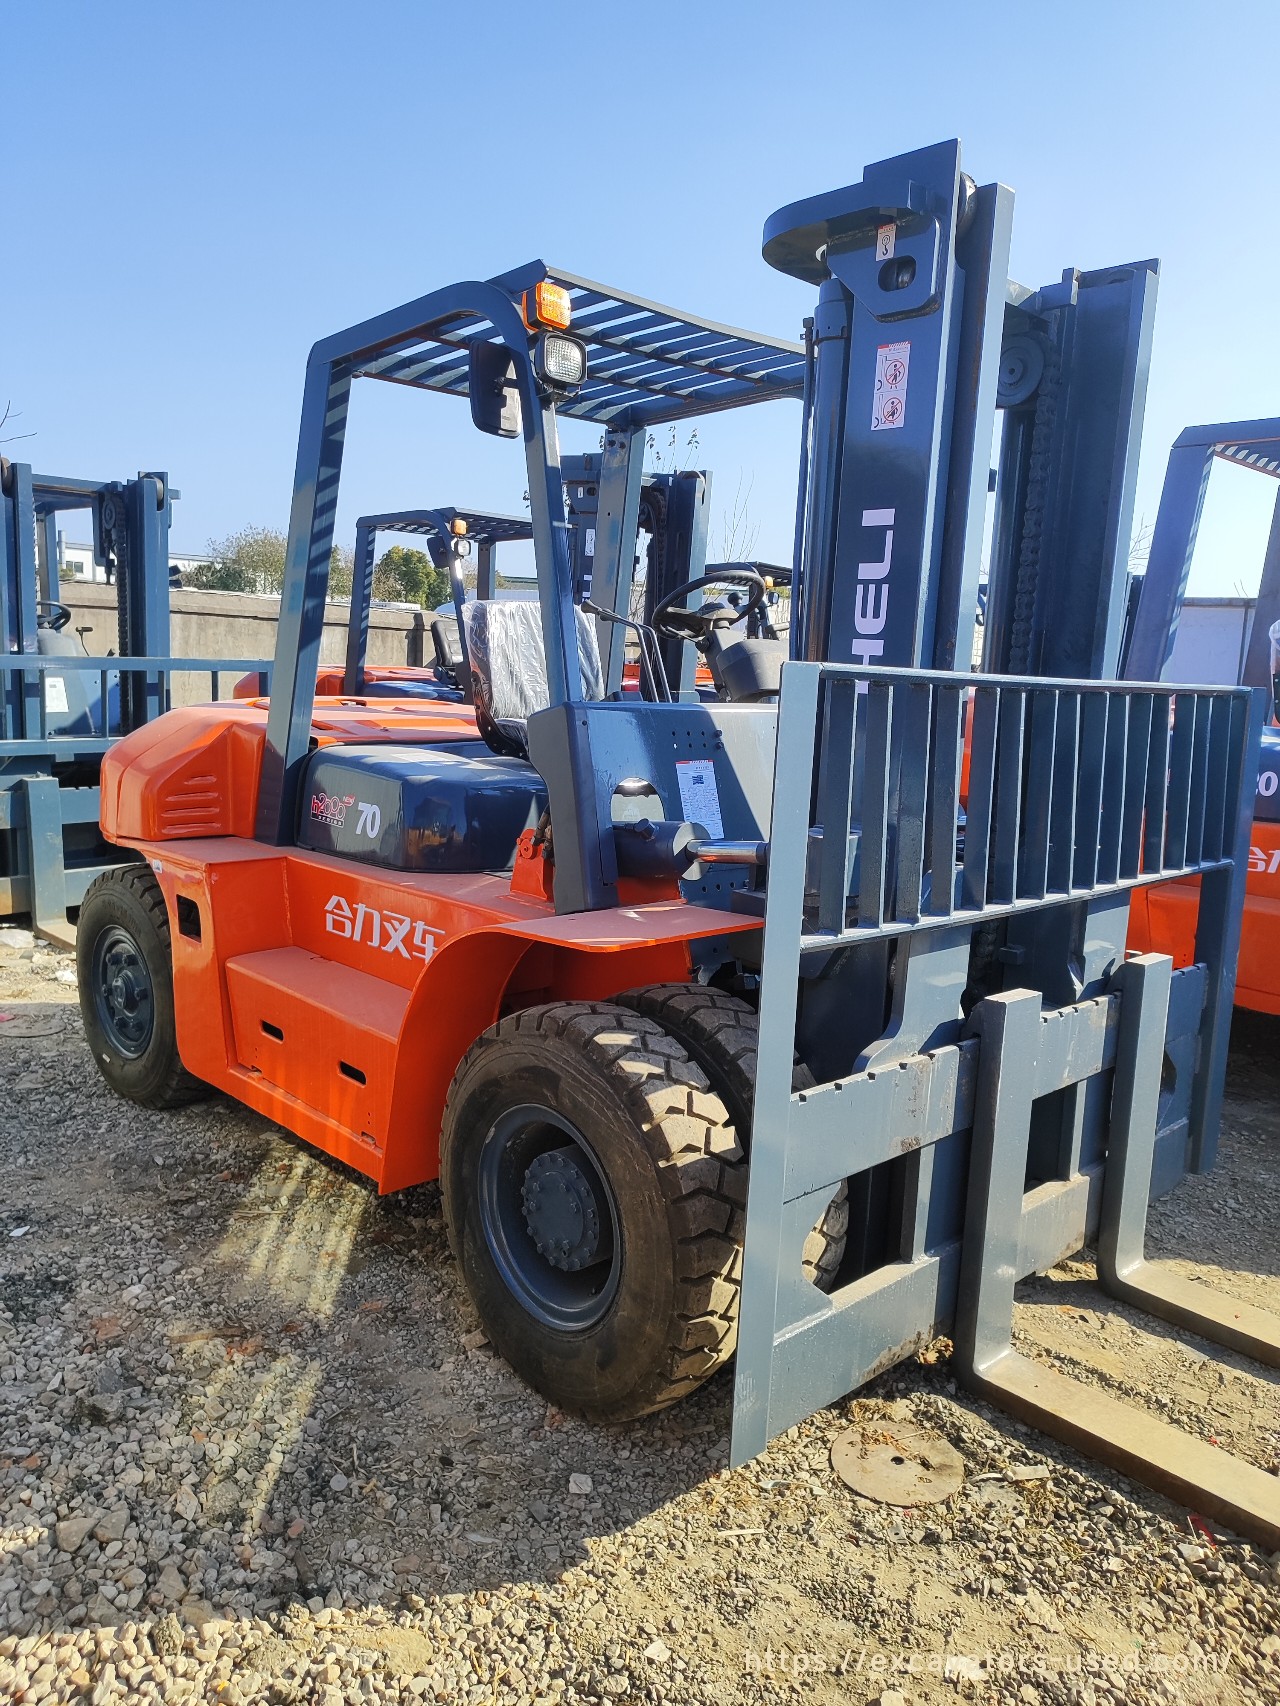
x,y
594,1194
722,1033
124,966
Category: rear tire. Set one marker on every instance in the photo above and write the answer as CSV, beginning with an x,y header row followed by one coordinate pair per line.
x,y
124,965
594,1194
722,1033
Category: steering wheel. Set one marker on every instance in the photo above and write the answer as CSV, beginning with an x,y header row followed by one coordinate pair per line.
x,y
57,618
679,622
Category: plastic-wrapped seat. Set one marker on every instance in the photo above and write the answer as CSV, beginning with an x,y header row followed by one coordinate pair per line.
x,y
509,668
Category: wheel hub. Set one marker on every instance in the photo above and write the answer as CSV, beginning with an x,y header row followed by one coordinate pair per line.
x,y
122,987
561,1212
125,989
548,1216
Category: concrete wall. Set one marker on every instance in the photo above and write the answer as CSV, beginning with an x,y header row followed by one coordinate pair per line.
x,y
239,625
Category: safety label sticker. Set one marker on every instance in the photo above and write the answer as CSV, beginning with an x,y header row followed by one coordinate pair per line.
x,y
886,241
590,550
55,693
699,797
889,405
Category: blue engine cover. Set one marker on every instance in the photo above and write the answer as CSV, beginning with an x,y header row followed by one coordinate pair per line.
x,y
402,687
420,808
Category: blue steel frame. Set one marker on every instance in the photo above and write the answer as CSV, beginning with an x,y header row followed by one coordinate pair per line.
x,y
674,508
890,539
1248,444
484,531
647,364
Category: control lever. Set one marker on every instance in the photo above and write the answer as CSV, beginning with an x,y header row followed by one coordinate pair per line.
x,y
653,672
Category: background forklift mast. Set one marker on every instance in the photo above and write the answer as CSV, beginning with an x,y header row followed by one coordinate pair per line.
x,y
1164,917
674,515
130,520
61,710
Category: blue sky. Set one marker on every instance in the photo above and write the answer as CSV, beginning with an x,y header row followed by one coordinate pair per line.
x,y
194,193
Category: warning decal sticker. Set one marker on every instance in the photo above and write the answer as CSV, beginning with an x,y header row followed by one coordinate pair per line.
x,y
699,796
889,405
886,241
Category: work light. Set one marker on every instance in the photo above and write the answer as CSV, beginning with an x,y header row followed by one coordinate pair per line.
x,y
560,361
546,304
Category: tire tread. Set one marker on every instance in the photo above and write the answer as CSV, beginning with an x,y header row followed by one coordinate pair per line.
x,y
701,1173
721,1032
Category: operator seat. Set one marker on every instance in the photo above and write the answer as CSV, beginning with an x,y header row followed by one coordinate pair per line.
x,y
448,646
509,668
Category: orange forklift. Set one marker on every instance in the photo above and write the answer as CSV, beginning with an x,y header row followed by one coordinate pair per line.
x,y
722,1026
360,917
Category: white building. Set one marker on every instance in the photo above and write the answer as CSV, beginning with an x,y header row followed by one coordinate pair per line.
x,y
75,562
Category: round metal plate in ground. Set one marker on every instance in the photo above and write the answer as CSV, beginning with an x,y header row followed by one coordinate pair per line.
x,y
898,1463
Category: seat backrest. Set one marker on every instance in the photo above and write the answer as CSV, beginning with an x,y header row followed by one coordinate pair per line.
x,y
509,667
444,636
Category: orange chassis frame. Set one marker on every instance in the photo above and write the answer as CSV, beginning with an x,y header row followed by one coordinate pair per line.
x,y
1162,920
336,998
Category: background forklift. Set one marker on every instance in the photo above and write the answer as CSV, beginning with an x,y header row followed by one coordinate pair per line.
x,y
60,710
585,971
451,535
672,526
1164,917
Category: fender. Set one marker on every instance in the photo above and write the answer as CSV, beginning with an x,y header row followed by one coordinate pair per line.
x,y
467,986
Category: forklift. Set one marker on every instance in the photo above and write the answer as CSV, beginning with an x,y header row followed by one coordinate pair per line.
x,y
672,520
450,535
60,709
797,1023
1163,918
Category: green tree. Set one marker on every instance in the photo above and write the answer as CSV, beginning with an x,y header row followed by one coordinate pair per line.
x,y
342,568
251,560
403,575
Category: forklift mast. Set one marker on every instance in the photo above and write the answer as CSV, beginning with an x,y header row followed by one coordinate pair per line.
x,y
130,541
674,514
919,337
1162,588
60,709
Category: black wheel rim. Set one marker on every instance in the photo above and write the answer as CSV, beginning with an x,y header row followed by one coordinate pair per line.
x,y
549,1218
123,994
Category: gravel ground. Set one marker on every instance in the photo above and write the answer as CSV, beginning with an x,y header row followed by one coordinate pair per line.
x,y
253,1447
